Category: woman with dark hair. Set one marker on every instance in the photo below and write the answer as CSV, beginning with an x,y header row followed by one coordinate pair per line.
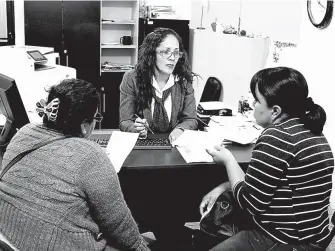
x,y
287,185
158,94
64,195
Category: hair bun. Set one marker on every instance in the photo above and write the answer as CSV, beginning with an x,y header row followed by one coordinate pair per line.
x,y
310,105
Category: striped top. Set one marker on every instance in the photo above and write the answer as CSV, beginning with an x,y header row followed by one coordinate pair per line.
x,y
288,184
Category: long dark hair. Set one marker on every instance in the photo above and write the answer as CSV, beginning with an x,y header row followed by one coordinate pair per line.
x,y
287,88
145,67
78,102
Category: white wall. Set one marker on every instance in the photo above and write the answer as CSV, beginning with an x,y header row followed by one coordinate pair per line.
x,y
278,19
226,11
19,22
314,58
316,61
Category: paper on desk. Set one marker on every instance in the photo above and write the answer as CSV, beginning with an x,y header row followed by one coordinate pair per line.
x,y
235,130
119,146
192,145
234,121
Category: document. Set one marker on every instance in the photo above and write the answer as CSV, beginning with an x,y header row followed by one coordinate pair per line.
x,y
119,146
192,145
237,129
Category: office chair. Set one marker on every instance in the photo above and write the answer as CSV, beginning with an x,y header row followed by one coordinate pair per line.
x,y
212,90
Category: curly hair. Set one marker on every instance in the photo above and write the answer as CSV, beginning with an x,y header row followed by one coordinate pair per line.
x,y
145,68
78,102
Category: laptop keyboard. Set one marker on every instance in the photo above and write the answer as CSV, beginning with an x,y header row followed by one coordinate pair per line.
x,y
102,142
141,144
154,144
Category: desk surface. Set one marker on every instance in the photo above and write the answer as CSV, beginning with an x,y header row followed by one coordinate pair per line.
x,y
153,159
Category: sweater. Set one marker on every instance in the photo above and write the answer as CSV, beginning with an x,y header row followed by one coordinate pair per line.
x,y
63,195
183,113
288,184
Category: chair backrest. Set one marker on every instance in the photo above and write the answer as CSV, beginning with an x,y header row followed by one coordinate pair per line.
x,y
212,90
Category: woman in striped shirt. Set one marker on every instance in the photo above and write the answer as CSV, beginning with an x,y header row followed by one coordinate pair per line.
x,y
287,185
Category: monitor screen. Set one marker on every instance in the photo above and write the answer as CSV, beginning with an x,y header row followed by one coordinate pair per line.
x,y
11,106
37,56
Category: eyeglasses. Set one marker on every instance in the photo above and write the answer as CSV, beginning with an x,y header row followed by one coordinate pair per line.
x,y
98,117
167,54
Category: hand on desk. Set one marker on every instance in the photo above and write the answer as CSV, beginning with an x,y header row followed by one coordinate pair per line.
x,y
175,134
140,126
221,155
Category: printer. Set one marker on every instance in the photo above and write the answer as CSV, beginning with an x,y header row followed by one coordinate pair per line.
x,y
34,70
213,108
40,62
28,58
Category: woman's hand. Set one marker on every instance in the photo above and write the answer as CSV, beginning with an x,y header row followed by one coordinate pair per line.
x,y
175,134
140,128
221,155
209,199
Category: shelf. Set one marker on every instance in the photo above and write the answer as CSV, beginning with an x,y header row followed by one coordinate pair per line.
x,y
115,70
117,22
107,46
122,0
119,18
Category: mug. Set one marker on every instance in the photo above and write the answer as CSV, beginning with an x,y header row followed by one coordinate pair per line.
x,y
126,40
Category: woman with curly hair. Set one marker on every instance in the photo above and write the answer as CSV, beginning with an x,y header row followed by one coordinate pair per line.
x,y
158,93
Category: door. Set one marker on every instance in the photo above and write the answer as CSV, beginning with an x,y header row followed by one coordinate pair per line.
x,y
82,38
43,23
110,99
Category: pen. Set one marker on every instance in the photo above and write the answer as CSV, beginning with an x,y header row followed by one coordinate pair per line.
x,y
202,122
145,124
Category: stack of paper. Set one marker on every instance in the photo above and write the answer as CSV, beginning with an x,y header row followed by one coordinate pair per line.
x,y
192,145
237,129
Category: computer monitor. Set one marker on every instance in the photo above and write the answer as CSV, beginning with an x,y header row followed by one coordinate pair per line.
x,y
11,106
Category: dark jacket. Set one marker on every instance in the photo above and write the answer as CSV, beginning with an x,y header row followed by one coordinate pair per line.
x,y
183,114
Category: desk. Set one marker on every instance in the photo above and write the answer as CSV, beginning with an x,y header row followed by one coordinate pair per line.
x,y
171,159
163,191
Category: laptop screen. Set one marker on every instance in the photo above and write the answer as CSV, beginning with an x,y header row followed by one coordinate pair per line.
x,y
37,56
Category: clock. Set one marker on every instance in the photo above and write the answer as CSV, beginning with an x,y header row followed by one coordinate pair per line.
x,y
320,12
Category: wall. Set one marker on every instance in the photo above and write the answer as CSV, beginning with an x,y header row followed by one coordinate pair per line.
x,y
19,22
278,19
314,57
286,21
316,60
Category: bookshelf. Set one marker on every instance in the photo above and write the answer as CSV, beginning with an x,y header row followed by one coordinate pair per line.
x,y
118,18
